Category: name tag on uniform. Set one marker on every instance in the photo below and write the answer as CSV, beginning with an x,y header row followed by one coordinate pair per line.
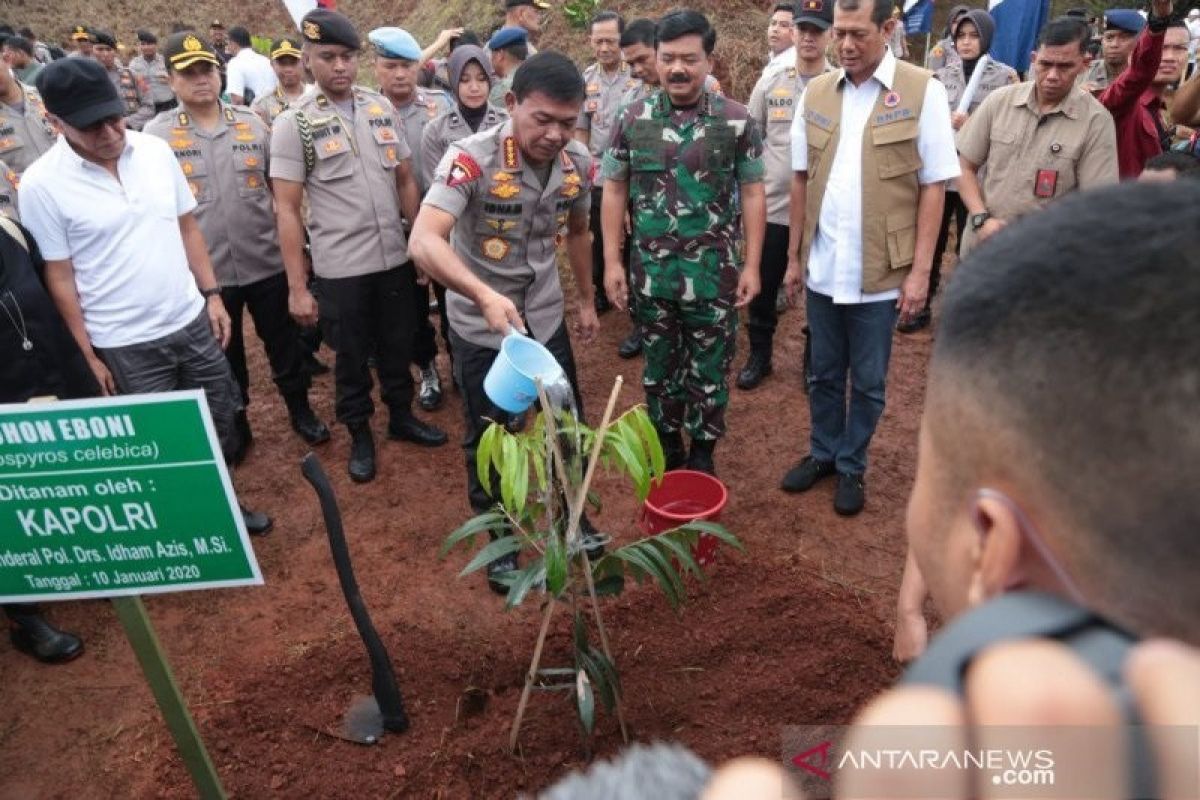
x,y
1046,183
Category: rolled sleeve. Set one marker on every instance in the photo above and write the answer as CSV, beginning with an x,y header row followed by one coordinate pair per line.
x,y
935,138
451,199
750,166
615,165
287,151
974,139
799,138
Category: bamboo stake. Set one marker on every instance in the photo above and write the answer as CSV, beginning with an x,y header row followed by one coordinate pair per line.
x,y
576,511
531,676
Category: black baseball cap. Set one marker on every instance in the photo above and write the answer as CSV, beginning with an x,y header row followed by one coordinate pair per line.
x,y
78,91
814,12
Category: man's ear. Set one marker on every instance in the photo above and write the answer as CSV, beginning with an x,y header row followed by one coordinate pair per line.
x,y
510,102
55,122
996,555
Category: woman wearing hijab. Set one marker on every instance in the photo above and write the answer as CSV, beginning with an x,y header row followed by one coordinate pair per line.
x,y
973,34
943,52
471,77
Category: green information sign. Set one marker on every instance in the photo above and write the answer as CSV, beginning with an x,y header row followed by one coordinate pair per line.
x,y
117,496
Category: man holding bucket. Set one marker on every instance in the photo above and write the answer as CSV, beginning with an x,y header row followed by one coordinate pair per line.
x,y
510,195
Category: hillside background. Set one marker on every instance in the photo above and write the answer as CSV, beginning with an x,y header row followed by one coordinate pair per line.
x,y
741,24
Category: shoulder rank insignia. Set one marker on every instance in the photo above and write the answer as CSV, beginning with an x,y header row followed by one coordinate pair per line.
x,y
570,190
572,179
463,169
510,153
495,248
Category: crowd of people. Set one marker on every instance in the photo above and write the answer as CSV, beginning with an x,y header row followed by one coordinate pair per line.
x,y
161,200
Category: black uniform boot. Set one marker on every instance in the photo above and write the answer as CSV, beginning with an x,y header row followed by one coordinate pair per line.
x,y
304,421
701,456
245,437
362,452
758,367
33,635
674,453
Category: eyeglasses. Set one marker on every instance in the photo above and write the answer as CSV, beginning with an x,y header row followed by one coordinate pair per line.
x,y
99,125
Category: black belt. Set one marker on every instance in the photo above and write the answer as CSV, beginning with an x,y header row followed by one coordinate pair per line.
x,y
166,105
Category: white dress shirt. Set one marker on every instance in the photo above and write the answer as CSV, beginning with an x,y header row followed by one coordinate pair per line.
x,y
122,237
249,70
835,262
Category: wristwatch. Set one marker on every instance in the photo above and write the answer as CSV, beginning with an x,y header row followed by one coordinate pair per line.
x,y
979,220
213,292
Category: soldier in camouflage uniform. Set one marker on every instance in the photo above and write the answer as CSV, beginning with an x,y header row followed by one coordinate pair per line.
x,y
685,162
289,77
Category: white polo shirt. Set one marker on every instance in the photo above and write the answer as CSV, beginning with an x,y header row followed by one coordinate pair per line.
x,y
835,261
122,238
249,70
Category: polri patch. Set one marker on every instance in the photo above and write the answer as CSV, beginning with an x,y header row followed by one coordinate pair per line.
x,y
463,170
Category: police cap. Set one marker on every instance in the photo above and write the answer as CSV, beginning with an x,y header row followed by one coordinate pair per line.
x,y
322,26
186,48
815,12
281,48
395,43
1123,19
507,37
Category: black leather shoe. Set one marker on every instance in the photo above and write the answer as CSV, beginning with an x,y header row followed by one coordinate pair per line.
x,y
601,304
408,428
33,635
701,456
362,453
674,455
593,540
257,523
851,495
918,322
801,477
499,567
430,395
306,424
631,347
758,367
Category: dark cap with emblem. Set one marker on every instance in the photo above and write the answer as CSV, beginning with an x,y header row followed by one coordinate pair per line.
x,y
146,37
216,23
322,26
81,34
814,12
104,38
542,4
281,48
186,48
79,92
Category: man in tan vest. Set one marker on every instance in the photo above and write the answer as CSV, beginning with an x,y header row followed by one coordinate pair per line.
x,y
876,134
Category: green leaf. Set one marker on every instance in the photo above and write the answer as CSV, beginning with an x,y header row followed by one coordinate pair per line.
x,y
649,435
631,464
713,529
641,556
501,547
681,551
666,568
585,701
593,500
579,633
539,465
608,671
526,579
556,564
596,675
471,528
610,585
485,455
520,483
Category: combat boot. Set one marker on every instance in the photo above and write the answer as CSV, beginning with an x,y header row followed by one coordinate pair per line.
x,y
701,457
430,395
674,454
33,635
362,452
304,421
758,367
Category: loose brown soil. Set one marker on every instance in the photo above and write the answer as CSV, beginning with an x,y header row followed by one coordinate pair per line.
x,y
796,631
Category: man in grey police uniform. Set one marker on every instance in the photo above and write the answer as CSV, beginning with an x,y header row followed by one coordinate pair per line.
x,y
133,90
289,76
342,144
25,132
500,204
223,152
397,63
150,66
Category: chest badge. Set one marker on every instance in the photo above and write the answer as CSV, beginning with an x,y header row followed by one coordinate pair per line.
x,y
188,169
495,248
505,191
891,100
332,146
251,162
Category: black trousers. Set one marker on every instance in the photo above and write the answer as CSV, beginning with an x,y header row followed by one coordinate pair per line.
x,y
425,339
598,253
764,315
267,301
471,365
955,209
365,315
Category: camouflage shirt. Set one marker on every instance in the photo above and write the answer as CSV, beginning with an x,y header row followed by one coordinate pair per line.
x,y
684,167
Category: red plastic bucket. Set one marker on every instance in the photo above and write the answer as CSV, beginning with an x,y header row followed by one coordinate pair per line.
x,y
684,496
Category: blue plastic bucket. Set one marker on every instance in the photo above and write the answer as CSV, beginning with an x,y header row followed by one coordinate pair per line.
x,y
510,381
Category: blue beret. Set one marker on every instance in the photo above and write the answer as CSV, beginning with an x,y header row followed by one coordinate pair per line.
x,y
508,36
395,43
1123,19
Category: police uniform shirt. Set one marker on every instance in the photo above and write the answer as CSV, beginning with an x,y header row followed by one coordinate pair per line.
x,y
1096,77
599,113
270,105
942,54
446,129
154,74
354,217
773,105
138,108
995,76
415,116
25,133
226,170
509,226
8,191
1033,158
